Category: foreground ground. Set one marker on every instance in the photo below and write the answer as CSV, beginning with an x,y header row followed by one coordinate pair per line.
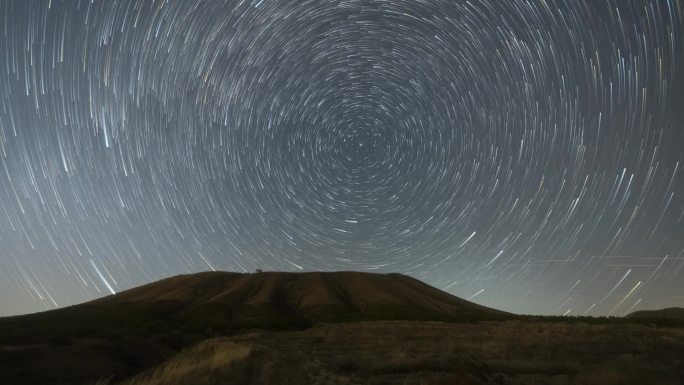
x,y
512,352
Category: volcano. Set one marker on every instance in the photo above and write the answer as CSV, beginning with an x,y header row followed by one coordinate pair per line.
x,y
223,300
226,302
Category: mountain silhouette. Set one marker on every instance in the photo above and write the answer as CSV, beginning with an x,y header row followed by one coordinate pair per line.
x,y
279,298
226,302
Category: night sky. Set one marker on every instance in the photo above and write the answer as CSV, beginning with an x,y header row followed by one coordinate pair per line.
x,y
526,155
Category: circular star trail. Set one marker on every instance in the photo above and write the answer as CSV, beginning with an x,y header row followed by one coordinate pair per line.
x,y
525,155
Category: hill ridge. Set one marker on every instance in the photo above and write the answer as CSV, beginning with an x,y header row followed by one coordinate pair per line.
x,y
669,313
349,290
227,302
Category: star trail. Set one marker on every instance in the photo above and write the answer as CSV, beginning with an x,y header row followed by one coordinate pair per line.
x,y
526,155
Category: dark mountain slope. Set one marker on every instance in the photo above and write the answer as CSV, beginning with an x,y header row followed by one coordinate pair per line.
x,y
225,302
315,296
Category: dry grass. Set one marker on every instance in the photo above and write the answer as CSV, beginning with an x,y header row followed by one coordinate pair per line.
x,y
196,365
421,353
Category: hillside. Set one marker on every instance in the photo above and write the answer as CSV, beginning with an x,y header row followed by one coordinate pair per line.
x,y
669,314
313,328
312,297
128,332
414,353
226,302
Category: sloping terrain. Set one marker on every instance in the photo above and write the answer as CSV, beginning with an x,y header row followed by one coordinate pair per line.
x,y
668,314
413,353
227,302
313,328
122,334
315,296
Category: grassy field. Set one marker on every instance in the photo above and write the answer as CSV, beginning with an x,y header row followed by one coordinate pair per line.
x,y
377,353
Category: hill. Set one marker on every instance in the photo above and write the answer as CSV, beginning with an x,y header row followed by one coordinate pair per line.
x,y
125,333
311,297
324,328
669,314
224,302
